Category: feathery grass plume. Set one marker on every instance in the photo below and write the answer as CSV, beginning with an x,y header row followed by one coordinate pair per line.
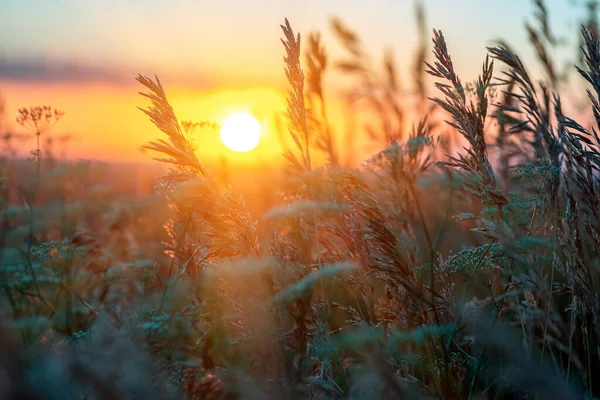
x,y
507,145
178,149
419,74
407,160
387,254
379,94
384,92
582,159
360,65
537,112
296,109
534,106
399,169
591,52
316,60
211,224
391,90
227,224
469,116
583,156
216,218
591,24
584,301
536,37
541,14
535,119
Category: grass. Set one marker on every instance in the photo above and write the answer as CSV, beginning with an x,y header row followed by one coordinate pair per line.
x,y
425,273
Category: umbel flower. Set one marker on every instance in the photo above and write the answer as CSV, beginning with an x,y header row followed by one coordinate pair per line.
x,y
39,119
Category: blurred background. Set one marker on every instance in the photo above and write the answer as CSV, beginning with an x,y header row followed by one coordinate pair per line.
x,y
219,58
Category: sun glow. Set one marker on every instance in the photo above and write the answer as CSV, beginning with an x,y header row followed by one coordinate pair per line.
x,y
240,132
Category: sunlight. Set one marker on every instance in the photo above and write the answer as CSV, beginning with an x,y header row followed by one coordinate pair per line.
x,y
240,132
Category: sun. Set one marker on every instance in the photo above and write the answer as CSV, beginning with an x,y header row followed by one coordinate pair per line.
x,y
240,132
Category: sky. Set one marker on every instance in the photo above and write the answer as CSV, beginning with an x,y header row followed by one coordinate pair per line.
x,y
215,57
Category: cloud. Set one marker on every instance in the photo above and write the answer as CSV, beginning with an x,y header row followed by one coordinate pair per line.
x,y
46,70
42,70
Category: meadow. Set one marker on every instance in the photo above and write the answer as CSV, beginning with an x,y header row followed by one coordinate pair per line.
x,y
459,262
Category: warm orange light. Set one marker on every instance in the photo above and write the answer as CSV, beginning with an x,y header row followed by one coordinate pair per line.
x,y
240,132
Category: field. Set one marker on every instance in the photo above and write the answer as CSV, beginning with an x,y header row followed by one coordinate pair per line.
x,y
461,261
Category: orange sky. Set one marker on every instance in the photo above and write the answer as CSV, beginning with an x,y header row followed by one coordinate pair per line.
x,y
214,58
106,123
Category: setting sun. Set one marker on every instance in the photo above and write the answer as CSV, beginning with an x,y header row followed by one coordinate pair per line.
x,y
240,132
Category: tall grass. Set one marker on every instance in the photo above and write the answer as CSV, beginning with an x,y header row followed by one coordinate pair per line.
x,y
424,273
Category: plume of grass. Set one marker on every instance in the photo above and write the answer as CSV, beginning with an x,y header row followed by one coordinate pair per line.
x,y
316,61
178,149
469,116
296,110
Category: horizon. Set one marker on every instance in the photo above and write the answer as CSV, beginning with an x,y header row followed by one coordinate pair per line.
x,y
63,57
